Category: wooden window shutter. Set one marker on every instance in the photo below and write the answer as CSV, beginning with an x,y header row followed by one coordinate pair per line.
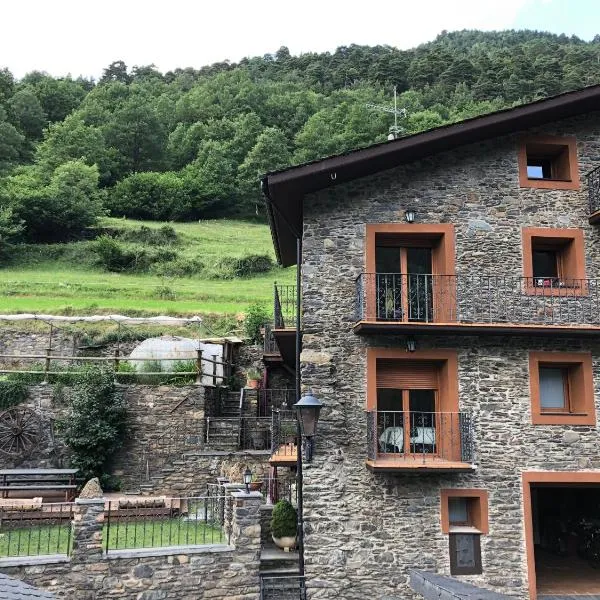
x,y
407,374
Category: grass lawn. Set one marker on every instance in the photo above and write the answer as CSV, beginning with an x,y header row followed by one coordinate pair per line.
x,y
56,539
37,282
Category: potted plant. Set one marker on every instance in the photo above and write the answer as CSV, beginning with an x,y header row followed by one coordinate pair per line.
x,y
253,377
284,525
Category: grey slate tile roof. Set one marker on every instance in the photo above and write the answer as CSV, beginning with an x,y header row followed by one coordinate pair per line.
x,y
15,589
439,587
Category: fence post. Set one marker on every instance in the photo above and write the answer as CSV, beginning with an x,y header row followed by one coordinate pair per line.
x,y
88,521
199,367
116,360
47,364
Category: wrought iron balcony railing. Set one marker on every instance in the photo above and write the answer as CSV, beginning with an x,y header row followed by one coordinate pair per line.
x,y
477,299
593,183
284,306
270,343
420,436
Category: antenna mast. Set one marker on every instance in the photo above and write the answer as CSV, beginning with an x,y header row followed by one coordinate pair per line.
x,y
395,130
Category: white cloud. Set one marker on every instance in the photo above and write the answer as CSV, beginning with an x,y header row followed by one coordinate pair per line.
x,y
80,37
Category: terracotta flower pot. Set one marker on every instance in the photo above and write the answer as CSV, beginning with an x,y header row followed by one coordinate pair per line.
x,y
252,384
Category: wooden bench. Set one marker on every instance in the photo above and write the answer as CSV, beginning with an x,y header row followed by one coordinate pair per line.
x,y
69,489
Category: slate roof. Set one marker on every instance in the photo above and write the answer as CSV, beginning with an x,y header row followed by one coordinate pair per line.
x,y
15,589
439,587
284,190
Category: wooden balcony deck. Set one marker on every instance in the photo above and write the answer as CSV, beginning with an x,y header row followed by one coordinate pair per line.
x,y
414,464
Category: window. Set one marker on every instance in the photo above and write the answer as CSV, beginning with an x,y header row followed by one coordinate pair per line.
x,y
554,389
406,272
413,399
548,162
554,261
561,388
464,510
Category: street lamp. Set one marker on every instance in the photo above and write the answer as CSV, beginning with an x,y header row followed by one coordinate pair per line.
x,y
307,413
308,409
247,479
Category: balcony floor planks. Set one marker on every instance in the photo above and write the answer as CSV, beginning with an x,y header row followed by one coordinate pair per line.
x,y
286,454
394,327
414,464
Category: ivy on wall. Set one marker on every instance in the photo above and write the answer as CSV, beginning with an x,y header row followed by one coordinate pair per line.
x,y
12,392
95,426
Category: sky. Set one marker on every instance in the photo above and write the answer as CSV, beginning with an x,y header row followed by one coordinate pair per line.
x,y
80,37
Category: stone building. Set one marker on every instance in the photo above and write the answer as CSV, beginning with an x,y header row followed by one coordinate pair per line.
x,y
451,326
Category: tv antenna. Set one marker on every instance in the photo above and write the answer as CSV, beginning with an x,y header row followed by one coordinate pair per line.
x,y
395,130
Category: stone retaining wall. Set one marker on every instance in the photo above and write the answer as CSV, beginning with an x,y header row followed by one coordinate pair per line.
x,y
216,572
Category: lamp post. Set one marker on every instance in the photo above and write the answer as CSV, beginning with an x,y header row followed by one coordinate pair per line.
x,y
247,479
308,409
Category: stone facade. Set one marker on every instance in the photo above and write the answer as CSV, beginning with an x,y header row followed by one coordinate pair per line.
x,y
216,572
364,530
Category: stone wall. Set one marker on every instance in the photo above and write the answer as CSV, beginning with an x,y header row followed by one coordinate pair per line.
x,y
217,572
364,531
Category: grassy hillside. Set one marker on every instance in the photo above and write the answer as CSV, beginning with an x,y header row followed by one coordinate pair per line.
x,y
65,278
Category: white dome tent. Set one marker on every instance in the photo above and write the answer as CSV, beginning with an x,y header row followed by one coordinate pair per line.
x,y
169,350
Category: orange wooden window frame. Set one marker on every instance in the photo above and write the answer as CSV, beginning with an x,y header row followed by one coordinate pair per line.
x,y
447,401
478,507
581,388
569,143
442,239
571,247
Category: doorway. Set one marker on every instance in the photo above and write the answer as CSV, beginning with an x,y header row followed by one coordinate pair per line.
x,y
563,537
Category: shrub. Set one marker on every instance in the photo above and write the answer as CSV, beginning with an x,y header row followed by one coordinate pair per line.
x,y
256,316
96,423
12,392
113,256
253,264
284,522
180,267
164,292
149,236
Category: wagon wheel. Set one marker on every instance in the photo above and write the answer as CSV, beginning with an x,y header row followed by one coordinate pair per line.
x,y
19,431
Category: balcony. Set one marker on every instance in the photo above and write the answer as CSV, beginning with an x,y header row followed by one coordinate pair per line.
x,y
593,183
467,304
420,441
280,340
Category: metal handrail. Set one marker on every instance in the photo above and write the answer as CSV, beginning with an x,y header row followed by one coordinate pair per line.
x,y
420,434
593,183
474,298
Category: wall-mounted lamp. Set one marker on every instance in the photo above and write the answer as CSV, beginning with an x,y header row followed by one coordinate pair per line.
x,y
411,344
247,479
409,216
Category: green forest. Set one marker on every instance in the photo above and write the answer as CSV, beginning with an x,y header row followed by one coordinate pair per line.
x,y
191,144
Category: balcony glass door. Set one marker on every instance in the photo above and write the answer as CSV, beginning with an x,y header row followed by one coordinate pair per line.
x,y
404,285
407,421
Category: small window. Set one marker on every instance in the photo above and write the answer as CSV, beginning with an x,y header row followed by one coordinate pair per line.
x,y
553,259
458,511
545,263
465,554
548,162
464,510
554,389
539,168
562,388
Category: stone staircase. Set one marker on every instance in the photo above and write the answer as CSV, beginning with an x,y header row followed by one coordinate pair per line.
x,y
278,573
223,431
